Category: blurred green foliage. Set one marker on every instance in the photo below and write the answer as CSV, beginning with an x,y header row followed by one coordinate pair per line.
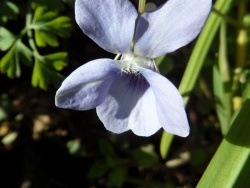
x,y
44,27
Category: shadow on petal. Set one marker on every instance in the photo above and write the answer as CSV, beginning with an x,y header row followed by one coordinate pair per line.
x,y
123,96
127,90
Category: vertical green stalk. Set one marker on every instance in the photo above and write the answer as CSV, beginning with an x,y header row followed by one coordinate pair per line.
x,y
196,62
241,37
222,83
226,79
141,7
223,61
30,35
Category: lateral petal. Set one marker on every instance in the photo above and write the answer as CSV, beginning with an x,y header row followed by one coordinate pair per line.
x,y
169,104
109,23
170,27
87,86
130,104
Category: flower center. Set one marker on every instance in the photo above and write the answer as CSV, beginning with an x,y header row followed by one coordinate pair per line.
x,y
131,63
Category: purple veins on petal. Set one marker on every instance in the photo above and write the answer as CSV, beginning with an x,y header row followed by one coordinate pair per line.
x,y
127,107
110,23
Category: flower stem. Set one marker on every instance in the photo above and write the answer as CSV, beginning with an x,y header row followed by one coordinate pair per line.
x,y
226,98
141,7
117,56
242,38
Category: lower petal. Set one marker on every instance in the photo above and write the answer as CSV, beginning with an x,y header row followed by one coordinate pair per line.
x,y
130,104
87,86
169,104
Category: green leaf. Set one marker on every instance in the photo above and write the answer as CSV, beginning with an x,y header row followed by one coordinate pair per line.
x,y
166,141
42,16
48,25
25,54
43,74
43,38
223,110
39,76
117,176
106,148
56,56
231,163
6,39
60,26
58,60
145,156
98,169
10,63
222,84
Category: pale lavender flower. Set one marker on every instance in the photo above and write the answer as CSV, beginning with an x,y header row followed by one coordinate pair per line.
x,y
129,93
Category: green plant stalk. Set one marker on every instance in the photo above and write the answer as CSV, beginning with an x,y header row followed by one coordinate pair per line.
x,y
226,81
242,37
231,163
223,61
196,62
141,7
30,36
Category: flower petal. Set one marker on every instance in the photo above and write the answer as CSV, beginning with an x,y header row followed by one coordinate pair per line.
x,y
169,104
130,104
110,23
87,86
170,27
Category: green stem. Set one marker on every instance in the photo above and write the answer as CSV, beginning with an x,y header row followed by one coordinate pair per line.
x,y
30,36
242,37
223,61
226,81
141,7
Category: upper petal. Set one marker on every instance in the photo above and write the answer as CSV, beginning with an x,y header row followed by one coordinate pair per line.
x,y
87,86
169,104
170,27
110,23
130,104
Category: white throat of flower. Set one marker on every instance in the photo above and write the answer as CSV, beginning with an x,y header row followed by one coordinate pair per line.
x,y
132,63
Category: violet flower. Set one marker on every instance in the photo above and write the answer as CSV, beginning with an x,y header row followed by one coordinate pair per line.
x,y
129,93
